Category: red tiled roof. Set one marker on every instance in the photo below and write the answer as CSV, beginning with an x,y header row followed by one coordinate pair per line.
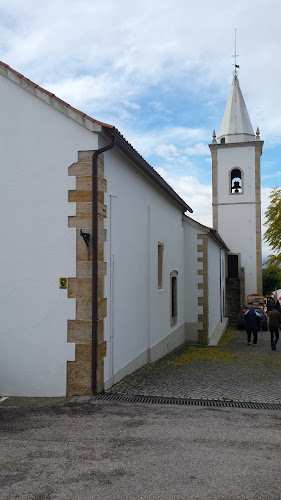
x,y
211,230
22,77
200,223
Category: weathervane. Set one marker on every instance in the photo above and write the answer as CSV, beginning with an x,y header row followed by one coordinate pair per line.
x,y
235,56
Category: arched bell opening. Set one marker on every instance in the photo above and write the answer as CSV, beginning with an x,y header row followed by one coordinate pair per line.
x,y
236,181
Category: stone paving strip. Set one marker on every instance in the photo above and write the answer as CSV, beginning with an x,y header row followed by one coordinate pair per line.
x,y
233,370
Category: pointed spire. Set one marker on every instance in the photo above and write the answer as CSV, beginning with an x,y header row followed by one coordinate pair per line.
x,y
236,125
214,141
258,134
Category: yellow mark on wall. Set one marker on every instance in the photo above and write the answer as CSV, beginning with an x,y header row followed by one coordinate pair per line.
x,y
63,282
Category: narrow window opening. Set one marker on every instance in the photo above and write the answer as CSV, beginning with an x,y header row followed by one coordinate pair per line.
x,y
174,297
223,140
236,181
160,265
232,266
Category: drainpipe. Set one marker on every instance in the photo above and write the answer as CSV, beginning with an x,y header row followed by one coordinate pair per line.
x,y
95,258
220,286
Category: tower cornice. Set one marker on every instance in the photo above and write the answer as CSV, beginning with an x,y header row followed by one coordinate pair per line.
x,y
257,144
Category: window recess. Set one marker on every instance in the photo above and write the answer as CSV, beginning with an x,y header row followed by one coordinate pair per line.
x,y
160,265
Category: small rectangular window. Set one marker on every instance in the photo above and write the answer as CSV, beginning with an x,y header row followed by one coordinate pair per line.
x,y
174,297
160,265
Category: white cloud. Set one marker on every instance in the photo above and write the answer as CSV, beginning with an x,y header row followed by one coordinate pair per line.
x,y
198,196
114,52
173,139
114,59
199,149
166,150
130,46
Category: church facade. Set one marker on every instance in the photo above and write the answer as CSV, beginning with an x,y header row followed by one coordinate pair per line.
x,y
102,270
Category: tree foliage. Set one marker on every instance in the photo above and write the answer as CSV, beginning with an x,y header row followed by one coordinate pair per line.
x,y
273,233
271,280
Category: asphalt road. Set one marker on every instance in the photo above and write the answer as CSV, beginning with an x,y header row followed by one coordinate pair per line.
x,y
138,451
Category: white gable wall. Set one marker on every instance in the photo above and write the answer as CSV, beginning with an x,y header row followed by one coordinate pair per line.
x,y
38,144
139,216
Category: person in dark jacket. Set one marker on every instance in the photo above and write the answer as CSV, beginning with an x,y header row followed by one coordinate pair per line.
x,y
274,322
252,325
269,304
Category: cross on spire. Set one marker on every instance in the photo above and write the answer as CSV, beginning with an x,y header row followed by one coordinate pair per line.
x,y
235,56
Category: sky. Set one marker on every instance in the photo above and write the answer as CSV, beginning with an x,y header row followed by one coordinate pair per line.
x,y
160,72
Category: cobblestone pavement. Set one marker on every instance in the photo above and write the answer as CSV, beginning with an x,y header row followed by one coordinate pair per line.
x,y
233,370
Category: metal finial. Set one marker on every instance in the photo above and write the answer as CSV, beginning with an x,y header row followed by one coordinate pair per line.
x,y
235,57
214,141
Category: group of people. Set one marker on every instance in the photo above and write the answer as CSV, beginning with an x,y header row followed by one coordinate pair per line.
x,y
253,324
271,304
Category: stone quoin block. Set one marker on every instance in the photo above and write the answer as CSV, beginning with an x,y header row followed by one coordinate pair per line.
x,y
79,372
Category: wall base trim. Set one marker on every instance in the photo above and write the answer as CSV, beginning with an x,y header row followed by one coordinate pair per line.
x,y
218,332
191,331
168,344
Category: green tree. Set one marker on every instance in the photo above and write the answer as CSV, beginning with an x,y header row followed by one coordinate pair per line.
x,y
273,233
271,280
272,267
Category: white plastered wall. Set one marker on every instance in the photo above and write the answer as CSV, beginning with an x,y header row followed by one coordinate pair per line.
x,y
237,215
215,288
139,216
38,144
216,282
245,244
237,157
191,279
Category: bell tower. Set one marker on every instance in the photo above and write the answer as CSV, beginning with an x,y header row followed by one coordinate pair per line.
x,y
236,196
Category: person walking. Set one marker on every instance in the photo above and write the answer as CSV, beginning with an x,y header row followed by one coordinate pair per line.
x,y
274,322
269,304
252,325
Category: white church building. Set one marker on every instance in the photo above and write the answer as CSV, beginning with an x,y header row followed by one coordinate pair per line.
x,y
102,268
